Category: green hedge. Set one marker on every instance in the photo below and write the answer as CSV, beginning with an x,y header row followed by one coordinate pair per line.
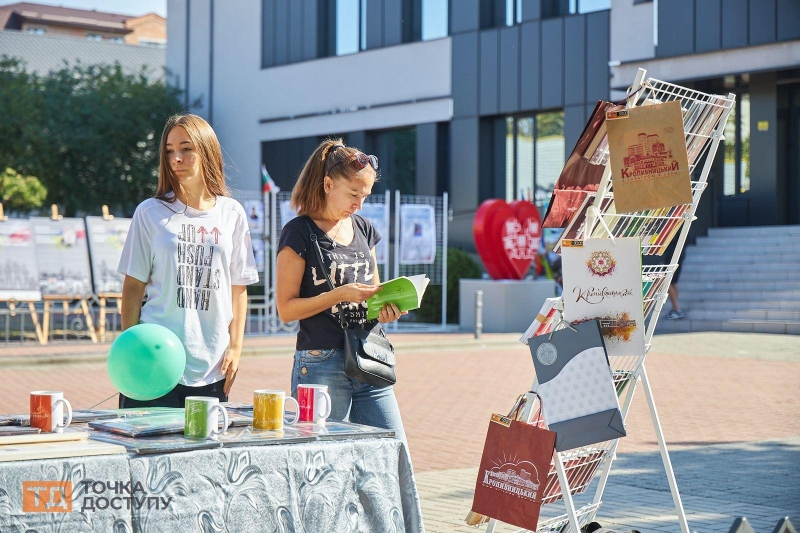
x,y
459,266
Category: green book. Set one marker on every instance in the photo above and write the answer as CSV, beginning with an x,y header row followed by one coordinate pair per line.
x,y
405,292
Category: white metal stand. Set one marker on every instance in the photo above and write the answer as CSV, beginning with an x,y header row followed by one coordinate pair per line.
x,y
704,117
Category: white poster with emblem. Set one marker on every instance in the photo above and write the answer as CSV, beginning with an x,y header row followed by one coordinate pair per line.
x,y
603,280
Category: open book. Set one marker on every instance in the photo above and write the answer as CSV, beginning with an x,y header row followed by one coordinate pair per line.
x,y
405,292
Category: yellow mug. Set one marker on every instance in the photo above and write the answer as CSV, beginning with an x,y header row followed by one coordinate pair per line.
x,y
268,409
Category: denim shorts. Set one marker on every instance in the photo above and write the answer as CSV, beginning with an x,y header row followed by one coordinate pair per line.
x,y
351,400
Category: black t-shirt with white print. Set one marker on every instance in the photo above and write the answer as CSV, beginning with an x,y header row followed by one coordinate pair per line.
x,y
345,264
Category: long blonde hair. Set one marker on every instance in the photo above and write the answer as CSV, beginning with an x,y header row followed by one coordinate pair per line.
x,y
208,149
308,194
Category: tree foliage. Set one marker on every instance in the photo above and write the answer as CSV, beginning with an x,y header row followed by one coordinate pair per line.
x,y
20,193
90,133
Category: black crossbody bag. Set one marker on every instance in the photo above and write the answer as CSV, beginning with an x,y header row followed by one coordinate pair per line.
x,y
368,357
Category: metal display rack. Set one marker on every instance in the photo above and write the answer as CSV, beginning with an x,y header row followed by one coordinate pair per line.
x,y
572,471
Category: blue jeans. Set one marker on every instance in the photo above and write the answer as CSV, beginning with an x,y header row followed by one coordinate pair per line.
x,y
351,399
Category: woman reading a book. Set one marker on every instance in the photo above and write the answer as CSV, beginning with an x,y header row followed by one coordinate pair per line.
x,y
332,186
188,254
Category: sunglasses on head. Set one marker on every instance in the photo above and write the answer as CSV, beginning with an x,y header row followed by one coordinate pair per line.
x,y
359,159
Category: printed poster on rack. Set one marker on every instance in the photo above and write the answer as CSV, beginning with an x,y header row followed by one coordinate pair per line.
x,y
19,277
376,214
106,239
604,280
63,256
418,234
255,215
287,213
258,252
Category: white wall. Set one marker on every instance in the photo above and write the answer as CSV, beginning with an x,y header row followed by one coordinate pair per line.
x,y
244,93
176,41
631,30
766,57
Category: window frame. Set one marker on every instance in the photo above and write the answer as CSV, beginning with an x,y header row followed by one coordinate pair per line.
x,y
534,139
737,146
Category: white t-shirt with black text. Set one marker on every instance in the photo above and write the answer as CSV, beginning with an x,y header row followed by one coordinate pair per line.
x,y
189,260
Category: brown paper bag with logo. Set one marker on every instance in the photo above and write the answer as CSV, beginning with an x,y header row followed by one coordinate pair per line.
x,y
513,472
649,165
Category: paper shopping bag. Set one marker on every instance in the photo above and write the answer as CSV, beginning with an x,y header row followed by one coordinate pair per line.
x,y
603,279
513,472
582,172
649,165
576,386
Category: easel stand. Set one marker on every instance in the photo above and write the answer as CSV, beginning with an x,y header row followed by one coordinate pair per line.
x,y
101,319
12,308
704,118
81,308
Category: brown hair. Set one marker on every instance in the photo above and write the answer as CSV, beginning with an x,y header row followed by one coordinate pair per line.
x,y
308,194
208,150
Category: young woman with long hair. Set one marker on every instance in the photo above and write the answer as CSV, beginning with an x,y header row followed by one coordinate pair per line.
x,y
188,255
332,186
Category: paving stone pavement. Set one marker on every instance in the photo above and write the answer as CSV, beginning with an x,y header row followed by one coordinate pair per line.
x,y
721,398
717,483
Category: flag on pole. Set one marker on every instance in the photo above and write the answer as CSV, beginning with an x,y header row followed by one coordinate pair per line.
x,y
267,185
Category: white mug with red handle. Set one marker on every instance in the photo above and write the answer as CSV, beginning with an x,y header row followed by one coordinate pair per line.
x,y
315,403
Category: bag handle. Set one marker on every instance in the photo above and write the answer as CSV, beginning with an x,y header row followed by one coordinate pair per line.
x,y
315,245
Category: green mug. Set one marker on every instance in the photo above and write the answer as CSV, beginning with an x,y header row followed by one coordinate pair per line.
x,y
202,417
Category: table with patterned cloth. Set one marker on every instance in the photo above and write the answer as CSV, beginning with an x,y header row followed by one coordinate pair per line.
x,y
333,486
85,475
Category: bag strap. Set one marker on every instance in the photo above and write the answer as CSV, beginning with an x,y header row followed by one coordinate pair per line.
x,y
315,245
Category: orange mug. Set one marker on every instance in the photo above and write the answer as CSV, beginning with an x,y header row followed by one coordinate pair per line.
x,y
47,411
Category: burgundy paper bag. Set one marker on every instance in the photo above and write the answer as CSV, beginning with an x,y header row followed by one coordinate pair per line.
x,y
580,175
513,472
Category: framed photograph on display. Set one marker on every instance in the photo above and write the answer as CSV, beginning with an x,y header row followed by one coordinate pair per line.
x,y
258,251
287,213
376,214
254,209
63,256
19,271
106,239
417,234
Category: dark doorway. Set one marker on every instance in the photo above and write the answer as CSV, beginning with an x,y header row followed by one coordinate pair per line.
x,y
789,149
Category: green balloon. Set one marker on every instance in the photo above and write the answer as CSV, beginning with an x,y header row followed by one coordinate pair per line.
x,y
146,361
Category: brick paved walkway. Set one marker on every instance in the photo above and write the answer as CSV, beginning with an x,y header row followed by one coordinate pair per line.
x,y
710,389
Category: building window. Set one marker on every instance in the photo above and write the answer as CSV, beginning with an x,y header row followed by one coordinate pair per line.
x,y
736,174
116,40
94,37
155,43
397,156
534,156
513,12
351,26
588,6
562,8
434,19
37,31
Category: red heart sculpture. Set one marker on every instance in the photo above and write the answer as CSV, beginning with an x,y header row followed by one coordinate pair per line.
x,y
507,237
